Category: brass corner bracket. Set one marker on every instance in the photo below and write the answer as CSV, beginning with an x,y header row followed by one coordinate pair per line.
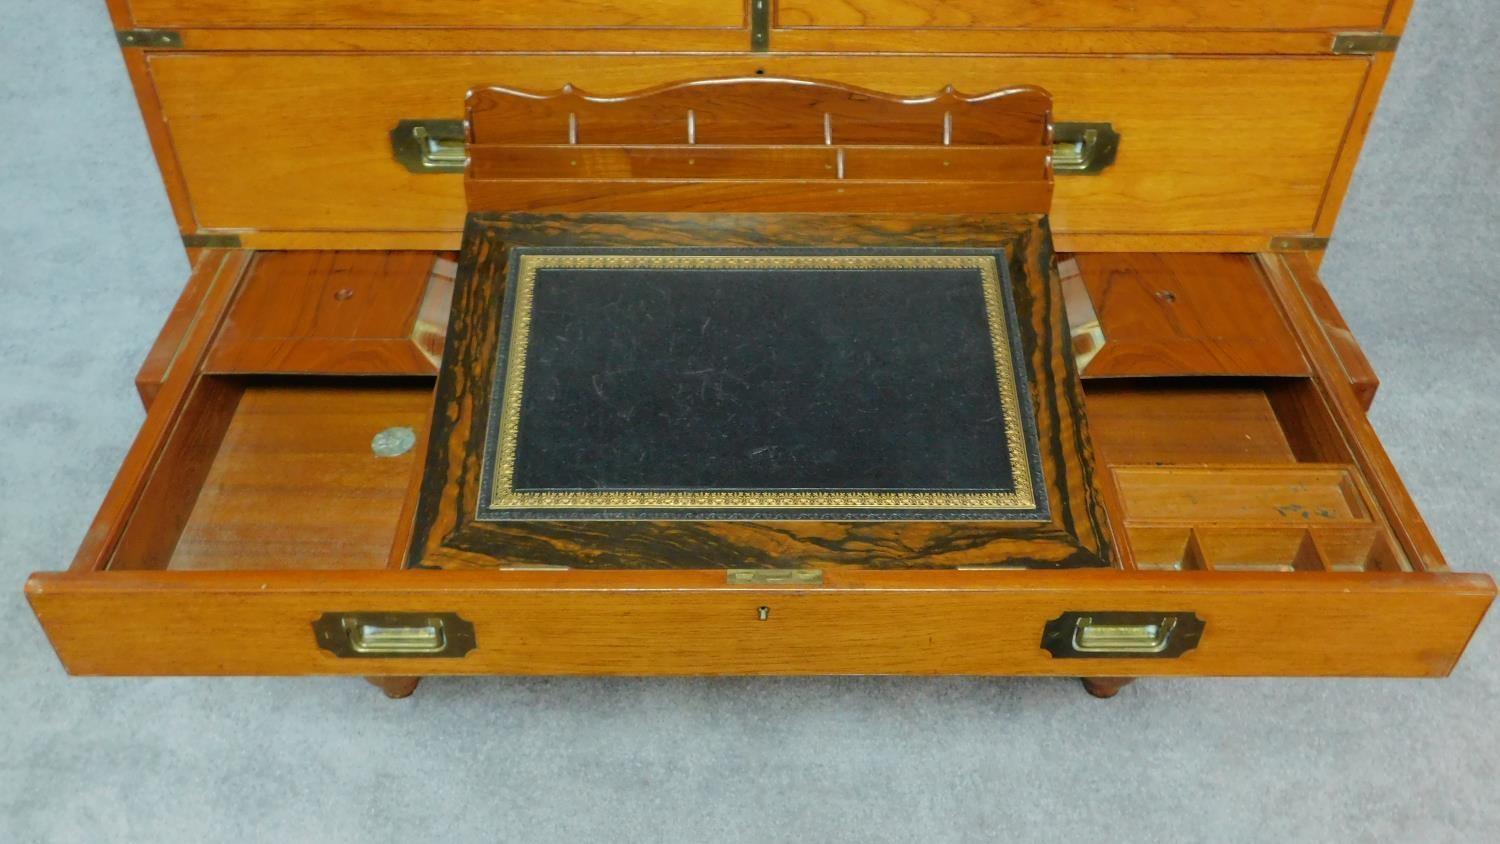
x,y
1298,243
160,39
1364,43
211,241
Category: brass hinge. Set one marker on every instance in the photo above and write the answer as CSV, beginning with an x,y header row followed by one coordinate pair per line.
x,y
1298,243
211,241
774,577
160,39
760,25
1364,43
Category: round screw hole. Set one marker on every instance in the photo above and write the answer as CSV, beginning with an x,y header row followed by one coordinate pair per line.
x,y
760,71
343,294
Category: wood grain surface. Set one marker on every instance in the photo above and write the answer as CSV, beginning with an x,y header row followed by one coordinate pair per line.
x,y
1341,403
163,353
293,482
1194,159
583,14
1356,366
763,110
1082,14
348,313
759,144
860,622
221,271
1186,42
1166,314
1150,421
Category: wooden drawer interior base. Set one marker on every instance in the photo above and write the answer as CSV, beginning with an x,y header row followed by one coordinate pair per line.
x,y
279,473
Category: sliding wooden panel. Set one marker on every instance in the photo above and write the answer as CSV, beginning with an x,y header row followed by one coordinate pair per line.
x,y
335,312
1182,314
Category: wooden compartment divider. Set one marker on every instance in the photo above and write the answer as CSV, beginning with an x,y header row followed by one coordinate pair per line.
x,y
759,143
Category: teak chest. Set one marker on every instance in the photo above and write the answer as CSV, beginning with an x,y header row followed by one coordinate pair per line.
x,y
1188,167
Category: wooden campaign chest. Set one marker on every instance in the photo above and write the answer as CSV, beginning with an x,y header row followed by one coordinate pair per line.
x,y
314,153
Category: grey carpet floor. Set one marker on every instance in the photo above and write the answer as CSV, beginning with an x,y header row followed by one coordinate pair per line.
x,y
90,264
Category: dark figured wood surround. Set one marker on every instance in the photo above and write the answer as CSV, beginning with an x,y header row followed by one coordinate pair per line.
x,y
447,536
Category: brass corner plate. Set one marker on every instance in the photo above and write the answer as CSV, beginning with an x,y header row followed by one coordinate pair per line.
x,y
212,241
1298,243
160,39
1364,43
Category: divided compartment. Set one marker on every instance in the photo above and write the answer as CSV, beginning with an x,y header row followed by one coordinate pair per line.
x,y
1234,474
278,473
1283,549
1219,449
287,366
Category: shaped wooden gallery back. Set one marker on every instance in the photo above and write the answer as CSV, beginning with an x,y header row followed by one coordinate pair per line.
x,y
759,144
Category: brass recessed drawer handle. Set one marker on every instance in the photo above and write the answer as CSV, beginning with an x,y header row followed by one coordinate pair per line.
x,y
1083,149
429,146
1142,635
388,634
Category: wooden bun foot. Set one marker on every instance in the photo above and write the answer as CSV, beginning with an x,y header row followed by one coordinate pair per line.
x,y
395,688
1105,687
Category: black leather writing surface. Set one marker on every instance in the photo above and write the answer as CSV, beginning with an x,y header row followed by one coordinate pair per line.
x,y
773,384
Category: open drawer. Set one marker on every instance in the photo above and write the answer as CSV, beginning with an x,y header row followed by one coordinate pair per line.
x,y
259,522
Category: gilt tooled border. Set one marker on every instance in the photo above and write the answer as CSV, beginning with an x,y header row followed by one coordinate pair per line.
x,y
503,495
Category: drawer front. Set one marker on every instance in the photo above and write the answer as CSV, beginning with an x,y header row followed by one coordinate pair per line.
x,y
301,143
583,623
1083,14
550,14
